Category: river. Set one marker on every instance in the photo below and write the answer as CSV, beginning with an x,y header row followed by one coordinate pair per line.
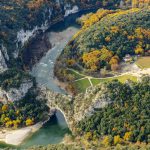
x,y
54,130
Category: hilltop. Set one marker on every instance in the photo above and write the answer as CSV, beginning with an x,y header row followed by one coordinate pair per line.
x,y
105,40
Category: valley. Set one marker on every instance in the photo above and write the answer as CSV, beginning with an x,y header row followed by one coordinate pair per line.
x,y
74,75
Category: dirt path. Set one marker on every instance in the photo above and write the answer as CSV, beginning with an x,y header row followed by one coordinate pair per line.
x,y
132,70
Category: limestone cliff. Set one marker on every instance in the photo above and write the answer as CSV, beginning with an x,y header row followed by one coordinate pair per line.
x,y
15,94
21,20
78,107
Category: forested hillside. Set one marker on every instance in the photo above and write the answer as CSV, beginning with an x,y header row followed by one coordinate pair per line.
x,y
25,112
101,112
112,115
105,38
125,120
20,20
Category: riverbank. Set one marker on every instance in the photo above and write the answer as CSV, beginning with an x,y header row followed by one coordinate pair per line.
x,y
40,44
16,137
58,39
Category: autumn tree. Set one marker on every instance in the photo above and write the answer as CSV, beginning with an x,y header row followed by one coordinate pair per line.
x,y
114,62
29,122
91,59
139,49
117,139
107,140
127,136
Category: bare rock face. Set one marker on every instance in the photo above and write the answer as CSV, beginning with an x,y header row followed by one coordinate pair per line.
x,y
15,94
36,49
77,108
70,10
20,36
3,65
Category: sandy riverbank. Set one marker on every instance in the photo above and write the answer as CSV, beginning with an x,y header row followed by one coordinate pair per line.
x,y
16,137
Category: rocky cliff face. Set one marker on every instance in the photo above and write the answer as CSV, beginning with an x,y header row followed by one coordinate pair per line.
x,y
22,42
15,94
77,108
3,65
20,21
36,48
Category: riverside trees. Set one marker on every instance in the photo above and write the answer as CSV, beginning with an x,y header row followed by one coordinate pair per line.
x,y
106,37
25,112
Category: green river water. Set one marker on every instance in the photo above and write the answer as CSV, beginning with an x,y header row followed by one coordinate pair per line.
x,y
56,128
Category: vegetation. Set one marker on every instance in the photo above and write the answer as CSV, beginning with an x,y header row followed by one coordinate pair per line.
x,y
81,85
122,79
78,82
125,120
12,78
27,14
105,38
57,147
25,112
143,62
123,123
73,147
138,3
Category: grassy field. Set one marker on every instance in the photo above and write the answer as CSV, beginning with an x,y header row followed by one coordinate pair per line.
x,y
120,78
83,84
143,62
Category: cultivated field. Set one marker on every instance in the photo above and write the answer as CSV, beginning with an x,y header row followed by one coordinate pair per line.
x,y
143,62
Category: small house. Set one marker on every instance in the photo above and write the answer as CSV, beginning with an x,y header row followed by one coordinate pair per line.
x,y
127,58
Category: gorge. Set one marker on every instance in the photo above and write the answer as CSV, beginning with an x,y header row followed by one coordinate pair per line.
x,y
58,35
49,94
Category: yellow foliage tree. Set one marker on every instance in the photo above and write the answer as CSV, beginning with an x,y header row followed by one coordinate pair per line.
x,y
135,3
91,59
117,139
114,29
105,54
139,50
127,136
88,136
106,141
8,123
6,119
16,123
93,18
29,122
114,60
107,39
35,4
4,108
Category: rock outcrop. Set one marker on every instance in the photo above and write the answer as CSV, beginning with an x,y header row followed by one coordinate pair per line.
x,y
36,49
15,94
78,107
3,65
32,17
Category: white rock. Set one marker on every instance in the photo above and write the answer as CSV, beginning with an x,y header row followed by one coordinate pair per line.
x,y
15,94
3,65
24,35
4,50
69,11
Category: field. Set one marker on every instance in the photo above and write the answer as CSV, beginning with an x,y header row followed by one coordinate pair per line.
x,y
82,85
143,62
122,79
83,81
